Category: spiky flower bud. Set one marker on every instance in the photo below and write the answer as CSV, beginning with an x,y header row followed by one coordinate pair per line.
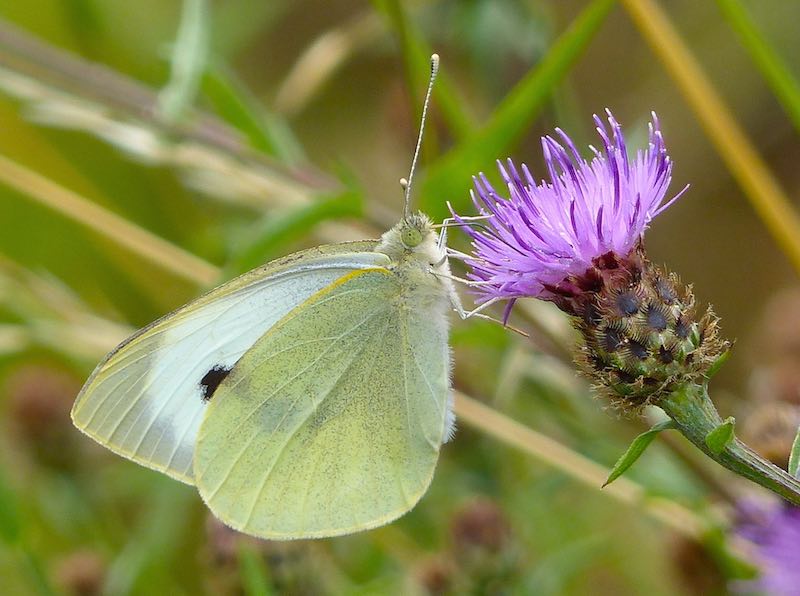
x,y
577,240
641,334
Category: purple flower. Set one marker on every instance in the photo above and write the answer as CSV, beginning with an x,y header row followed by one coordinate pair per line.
x,y
775,534
547,232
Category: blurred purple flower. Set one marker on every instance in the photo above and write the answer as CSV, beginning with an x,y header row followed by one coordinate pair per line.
x,y
545,233
775,533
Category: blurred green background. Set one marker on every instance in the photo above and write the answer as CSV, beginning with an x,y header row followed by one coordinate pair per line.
x,y
241,131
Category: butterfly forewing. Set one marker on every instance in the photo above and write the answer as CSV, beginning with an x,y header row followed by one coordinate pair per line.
x,y
332,422
146,400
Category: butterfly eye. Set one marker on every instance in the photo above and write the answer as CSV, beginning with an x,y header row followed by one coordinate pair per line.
x,y
411,237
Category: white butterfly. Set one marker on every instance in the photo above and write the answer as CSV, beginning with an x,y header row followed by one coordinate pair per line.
x,y
307,398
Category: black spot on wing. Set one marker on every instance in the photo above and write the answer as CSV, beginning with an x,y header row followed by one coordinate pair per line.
x,y
212,379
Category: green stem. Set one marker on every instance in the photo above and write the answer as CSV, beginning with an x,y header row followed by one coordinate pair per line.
x,y
695,416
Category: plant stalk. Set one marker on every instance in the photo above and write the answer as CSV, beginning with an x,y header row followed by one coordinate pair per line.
x,y
695,416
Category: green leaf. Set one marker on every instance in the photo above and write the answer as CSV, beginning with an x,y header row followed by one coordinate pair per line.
x,y
233,102
718,363
253,572
773,68
720,437
449,178
635,450
273,232
794,456
189,57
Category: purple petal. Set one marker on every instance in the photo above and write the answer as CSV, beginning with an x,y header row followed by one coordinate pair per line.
x,y
546,232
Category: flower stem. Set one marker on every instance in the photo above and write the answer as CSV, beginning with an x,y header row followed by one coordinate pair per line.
x,y
695,416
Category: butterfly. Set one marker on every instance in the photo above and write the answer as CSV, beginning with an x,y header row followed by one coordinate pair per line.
x,y
307,398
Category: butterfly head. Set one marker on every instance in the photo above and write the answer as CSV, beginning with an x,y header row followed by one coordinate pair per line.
x,y
413,235
414,230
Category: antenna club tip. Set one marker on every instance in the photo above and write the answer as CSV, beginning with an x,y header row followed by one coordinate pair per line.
x,y
403,183
434,61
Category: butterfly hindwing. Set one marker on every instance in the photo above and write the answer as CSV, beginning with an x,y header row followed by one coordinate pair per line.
x,y
146,400
332,422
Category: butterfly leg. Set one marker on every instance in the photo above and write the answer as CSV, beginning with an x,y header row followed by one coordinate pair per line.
x,y
476,313
455,301
452,221
452,252
441,242
467,282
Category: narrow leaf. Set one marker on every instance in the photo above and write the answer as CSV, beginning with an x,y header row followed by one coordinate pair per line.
x,y
232,101
449,178
794,457
774,69
189,57
635,450
720,437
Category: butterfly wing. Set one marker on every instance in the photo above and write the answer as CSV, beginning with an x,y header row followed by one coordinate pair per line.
x,y
333,421
146,400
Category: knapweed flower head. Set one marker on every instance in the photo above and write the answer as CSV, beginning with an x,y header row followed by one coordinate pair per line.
x,y
576,240
774,532
546,232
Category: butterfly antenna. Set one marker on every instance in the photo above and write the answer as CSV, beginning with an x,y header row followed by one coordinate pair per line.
x,y
406,183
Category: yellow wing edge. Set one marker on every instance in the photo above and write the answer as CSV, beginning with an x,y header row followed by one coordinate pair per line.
x,y
332,532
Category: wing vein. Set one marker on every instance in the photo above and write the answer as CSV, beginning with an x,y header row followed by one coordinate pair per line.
x,y
323,397
269,396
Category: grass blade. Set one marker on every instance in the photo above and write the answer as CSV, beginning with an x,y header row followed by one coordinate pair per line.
x,y
36,573
234,104
580,468
107,224
189,57
449,178
750,171
773,68
323,58
10,524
